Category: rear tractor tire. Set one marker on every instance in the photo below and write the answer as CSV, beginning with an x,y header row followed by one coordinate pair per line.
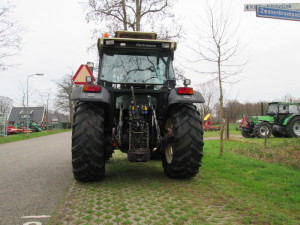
x,y
293,127
184,150
88,154
262,130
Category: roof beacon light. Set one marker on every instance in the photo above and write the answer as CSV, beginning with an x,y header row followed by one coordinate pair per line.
x,y
105,35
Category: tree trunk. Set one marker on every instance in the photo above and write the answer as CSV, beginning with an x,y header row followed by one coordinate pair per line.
x,y
71,111
221,103
138,14
125,15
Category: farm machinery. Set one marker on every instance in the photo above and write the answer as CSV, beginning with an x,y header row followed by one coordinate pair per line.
x,y
282,120
208,124
134,106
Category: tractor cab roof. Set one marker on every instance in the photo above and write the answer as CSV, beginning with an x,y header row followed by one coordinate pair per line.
x,y
136,40
284,103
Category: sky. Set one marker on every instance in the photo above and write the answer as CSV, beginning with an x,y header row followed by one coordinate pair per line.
x,y
56,38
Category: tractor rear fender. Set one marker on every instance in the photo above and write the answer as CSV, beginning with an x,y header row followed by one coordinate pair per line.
x,y
176,98
287,120
79,95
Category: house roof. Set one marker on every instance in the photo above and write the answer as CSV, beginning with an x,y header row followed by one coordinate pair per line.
x,y
57,118
18,114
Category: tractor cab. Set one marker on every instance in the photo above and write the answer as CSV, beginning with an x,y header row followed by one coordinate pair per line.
x,y
136,58
282,110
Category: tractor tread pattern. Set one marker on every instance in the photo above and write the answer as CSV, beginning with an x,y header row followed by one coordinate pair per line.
x,y
256,129
289,130
187,142
87,142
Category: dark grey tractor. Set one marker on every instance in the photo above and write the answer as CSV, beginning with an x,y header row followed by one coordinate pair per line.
x,y
135,107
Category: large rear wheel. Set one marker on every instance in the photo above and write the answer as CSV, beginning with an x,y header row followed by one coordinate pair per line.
x,y
184,150
293,127
88,155
262,130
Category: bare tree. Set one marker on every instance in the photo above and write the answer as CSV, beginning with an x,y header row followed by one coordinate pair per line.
x,y
10,38
5,104
135,15
210,93
63,96
45,98
220,46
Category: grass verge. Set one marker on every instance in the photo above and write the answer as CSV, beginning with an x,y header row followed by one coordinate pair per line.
x,y
230,189
19,137
233,131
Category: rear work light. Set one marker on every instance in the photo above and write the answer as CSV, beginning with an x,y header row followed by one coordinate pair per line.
x,y
91,88
185,91
165,45
109,42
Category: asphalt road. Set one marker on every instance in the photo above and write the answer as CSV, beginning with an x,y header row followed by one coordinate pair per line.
x,y
34,176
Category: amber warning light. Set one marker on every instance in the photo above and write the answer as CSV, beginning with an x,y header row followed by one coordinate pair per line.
x,y
81,74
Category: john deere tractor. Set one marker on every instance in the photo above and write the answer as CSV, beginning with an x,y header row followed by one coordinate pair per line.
x,y
135,107
282,120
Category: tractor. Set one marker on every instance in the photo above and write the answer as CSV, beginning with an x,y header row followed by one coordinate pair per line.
x,y
135,106
282,120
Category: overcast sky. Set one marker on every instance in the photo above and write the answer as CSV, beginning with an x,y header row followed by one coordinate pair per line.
x,y
56,39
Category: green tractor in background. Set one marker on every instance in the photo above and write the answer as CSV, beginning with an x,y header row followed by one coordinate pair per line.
x,y
282,120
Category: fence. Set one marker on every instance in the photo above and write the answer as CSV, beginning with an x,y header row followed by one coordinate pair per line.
x,y
3,124
60,126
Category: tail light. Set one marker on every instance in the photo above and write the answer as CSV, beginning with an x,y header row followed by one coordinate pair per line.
x,y
185,91
91,88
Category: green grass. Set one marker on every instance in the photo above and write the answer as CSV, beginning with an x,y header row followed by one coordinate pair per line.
x,y
270,190
19,137
230,189
232,131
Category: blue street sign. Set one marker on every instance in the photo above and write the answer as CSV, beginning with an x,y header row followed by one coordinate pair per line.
x,y
277,13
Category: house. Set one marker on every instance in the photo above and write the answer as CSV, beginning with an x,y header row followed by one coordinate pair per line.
x,y
57,118
19,115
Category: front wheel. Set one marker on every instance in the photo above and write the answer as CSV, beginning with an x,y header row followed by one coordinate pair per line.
x,y
184,148
293,127
262,130
88,155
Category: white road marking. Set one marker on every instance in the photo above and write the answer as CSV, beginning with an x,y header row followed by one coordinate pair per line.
x,y
32,223
35,217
